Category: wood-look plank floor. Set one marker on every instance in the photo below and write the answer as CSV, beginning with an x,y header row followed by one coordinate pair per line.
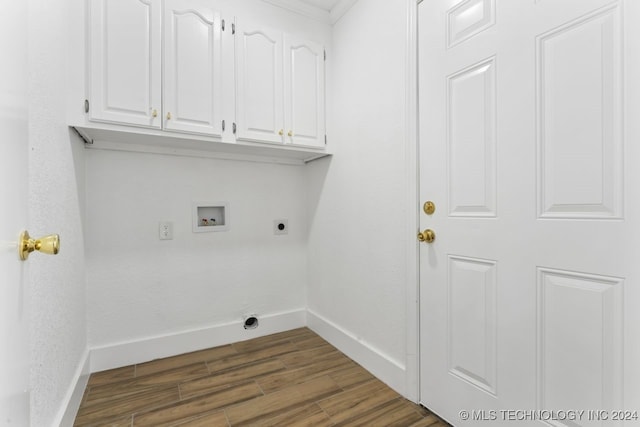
x,y
293,378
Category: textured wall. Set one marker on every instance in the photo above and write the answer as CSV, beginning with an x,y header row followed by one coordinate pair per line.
x,y
140,287
56,166
357,248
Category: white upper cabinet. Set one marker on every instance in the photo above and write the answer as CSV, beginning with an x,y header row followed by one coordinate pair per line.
x,y
125,47
259,78
304,118
179,73
279,87
192,72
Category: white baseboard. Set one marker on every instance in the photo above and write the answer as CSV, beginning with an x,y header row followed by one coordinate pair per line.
x,y
73,398
146,349
380,365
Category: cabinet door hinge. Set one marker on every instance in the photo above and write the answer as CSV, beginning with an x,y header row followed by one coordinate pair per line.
x,y
325,140
234,128
223,25
223,126
233,28
86,105
325,54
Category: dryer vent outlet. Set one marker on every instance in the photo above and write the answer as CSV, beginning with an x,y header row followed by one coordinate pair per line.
x,y
251,321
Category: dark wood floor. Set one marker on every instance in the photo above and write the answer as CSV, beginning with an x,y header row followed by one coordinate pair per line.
x,y
293,378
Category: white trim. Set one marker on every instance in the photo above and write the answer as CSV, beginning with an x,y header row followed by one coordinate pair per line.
x,y
73,398
340,9
303,9
412,340
383,367
326,16
150,348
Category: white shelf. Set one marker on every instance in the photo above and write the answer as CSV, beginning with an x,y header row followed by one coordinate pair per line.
x,y
143,140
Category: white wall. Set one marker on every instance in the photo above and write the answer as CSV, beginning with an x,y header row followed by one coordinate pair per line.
x,y
58,335
140,287
358,201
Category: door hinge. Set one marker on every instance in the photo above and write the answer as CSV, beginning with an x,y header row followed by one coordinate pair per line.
x,y
86,105
223,25
325,140
233,28
223,126
234,128
325,54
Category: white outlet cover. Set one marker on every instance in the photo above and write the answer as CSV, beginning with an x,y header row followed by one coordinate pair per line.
x,y
281,226
165,230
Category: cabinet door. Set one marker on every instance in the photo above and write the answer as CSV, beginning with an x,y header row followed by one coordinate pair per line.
x,y
192,67
304,92
259,110
124,62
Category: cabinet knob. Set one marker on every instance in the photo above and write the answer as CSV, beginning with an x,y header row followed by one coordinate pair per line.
x,y
290,133
169,116
154,113
281,132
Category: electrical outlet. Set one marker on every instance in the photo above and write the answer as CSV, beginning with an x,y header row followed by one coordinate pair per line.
x,y
165,230
281,226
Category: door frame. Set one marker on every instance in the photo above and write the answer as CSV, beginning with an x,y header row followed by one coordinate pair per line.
x,y
412,223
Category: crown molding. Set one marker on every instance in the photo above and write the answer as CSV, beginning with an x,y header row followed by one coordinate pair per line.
x,y
314,12
340,9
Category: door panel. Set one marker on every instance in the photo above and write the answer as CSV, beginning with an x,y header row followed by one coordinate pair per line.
x,y
529,294
579,340
304,92
471,324
471,140
14,293
192,68
259,102
580,156
124,60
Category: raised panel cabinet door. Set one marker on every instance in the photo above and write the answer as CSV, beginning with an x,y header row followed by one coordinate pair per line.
x,y
192,67
304,96
259,95
124,62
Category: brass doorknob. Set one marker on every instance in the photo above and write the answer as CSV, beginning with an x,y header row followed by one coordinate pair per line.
x,y
281,132
47,245
290,133
427,235
429,207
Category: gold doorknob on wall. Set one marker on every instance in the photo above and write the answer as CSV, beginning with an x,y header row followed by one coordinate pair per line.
x,y
47,245
427,235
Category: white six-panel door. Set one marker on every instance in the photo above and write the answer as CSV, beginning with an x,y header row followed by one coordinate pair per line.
x,y
125,62
192,67
529,294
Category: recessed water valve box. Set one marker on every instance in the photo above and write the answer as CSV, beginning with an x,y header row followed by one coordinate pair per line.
x,y
210,216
